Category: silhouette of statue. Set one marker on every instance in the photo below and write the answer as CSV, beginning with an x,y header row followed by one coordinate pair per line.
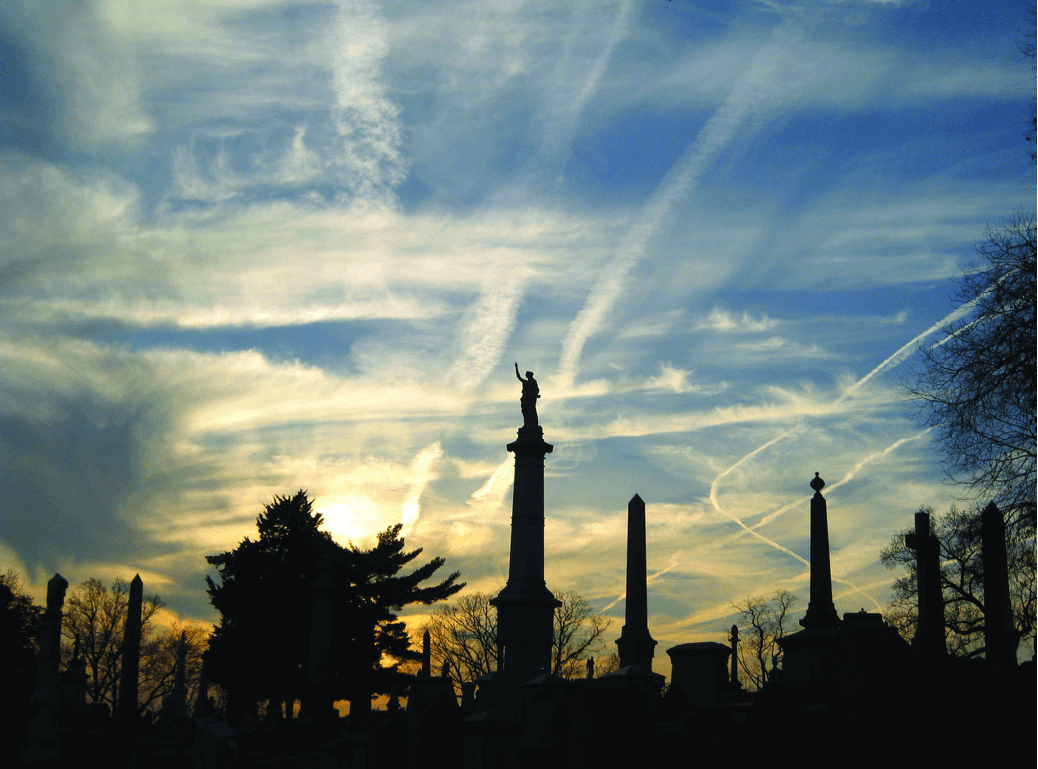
x,y
528,401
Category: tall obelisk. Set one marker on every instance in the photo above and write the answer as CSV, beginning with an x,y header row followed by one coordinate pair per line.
x,y
525,607
821,612
635,644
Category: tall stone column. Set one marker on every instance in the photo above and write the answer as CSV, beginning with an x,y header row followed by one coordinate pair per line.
x,y
821,612
41,742
999,635
320,699
525,607
635,644
131,649
929,633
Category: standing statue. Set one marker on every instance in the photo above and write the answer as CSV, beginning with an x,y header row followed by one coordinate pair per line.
x,y
528,401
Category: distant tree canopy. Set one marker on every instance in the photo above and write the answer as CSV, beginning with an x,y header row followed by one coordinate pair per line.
x,y
264,595
962,581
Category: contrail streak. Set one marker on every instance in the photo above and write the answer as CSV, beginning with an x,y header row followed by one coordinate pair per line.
x,y
753,89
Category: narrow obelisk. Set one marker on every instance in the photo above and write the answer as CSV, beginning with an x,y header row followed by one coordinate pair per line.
x,y
821,612
525,607
131,649
635,645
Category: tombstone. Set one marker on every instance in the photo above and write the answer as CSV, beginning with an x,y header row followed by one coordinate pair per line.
x,y
734,640
41,743
320,700
426,671
700,670
929,634
131,650
999,633
821,612
635,645
74,685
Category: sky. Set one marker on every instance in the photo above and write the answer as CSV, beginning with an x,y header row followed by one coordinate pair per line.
x,y
257,246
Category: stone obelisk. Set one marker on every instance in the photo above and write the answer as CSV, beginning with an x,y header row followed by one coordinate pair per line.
x,y
525,607
131,649
821,612
635,644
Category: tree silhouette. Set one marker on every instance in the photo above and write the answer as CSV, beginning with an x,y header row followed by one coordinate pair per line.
x,y
765,621
464,636
977,385
19,623
264,596
95,618
962,581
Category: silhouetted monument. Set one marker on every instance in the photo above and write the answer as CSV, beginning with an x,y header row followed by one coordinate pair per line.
x,y
999,635
821,612
41,742
734,640
319,662
528,401
635,645
699,670
525,607
929,633
131,649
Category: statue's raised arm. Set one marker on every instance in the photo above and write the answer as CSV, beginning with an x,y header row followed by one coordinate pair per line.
x,y
528,401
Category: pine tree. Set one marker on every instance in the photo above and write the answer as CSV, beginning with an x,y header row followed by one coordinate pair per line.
x,y
259,650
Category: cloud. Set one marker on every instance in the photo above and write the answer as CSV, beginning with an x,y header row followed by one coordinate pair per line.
x,y
366,118
723,321
723,127
422,469
84,66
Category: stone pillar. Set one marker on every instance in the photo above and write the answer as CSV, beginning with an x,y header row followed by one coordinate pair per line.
x,y
131,649
319,666
821,612
41,743
635,645
525,607
999,635
735,657
426,655
929,633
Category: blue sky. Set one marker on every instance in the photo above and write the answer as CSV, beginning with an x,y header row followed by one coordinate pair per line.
x,y
252,247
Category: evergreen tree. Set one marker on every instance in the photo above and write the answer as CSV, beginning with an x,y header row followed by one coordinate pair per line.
x,y
264,596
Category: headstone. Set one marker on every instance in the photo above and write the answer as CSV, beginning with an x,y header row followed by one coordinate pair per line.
x,y
131,649
821,612
41,743
999,636
635,644
929,633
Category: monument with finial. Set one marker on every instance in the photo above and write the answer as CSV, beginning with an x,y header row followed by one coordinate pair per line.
x,y
821,612
525,607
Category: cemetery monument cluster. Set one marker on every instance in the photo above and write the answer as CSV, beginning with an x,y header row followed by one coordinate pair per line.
x,y
844,680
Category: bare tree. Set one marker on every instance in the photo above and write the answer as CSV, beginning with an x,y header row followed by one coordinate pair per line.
x,y
765,621
977,384
962,581
95,617
464,636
